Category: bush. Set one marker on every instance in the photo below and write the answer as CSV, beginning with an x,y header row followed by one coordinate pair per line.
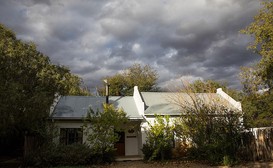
x,y
53,155
147,150
107,157
212,153
181,149
152,152
213,129
101,127
216,140
159,140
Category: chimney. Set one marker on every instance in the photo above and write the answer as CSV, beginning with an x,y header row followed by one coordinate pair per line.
x,y
107,91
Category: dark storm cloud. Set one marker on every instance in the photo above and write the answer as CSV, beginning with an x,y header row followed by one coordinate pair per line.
x,y
85,69
231,55
33,2
193,39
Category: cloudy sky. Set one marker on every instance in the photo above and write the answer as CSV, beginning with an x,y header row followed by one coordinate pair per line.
x,y
181,39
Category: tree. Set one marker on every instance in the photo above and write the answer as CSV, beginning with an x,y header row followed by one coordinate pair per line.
x,y
258,110
262,31
212,128
123,83
207,86
29,84
210,86
257,101
102,128
251,80
259,77
160,139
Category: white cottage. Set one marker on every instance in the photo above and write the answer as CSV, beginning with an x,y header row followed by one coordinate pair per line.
x,y
69,111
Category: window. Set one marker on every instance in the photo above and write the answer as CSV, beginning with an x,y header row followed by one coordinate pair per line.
x,y
70,135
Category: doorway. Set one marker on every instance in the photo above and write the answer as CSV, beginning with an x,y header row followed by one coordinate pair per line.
x,y
120,145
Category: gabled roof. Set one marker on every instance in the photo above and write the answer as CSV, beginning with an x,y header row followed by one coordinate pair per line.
x,y
168,103
159,103
76,107
139,105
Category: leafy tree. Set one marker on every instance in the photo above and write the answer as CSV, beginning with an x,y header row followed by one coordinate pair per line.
x,y
160,139
257,101
258,110
257,106
102,127
262,31
207,86
210,86
251,80
29,84
123,83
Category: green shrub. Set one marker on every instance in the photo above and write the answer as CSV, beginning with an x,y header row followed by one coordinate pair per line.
x,y
159,140
221,147
76,154
53,155
147,150
98,158
101,128
214,130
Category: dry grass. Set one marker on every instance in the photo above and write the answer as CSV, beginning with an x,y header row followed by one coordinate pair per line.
x,y
184,164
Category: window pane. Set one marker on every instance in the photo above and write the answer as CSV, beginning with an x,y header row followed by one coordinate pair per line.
x,y
70,136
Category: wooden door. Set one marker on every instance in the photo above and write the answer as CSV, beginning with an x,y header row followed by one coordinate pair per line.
x,y
120,145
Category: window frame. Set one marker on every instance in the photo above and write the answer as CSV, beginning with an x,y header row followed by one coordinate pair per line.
x,y
70,136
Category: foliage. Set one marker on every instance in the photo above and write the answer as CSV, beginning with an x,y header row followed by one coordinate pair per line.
x,y
29,84
257,106
212,128
101,127
207,86
123,83
210,86
251,80
262,31
160,139
259,110
58,155
181,149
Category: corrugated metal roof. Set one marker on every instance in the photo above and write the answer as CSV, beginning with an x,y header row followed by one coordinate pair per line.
x,y
167,103
159,103
76,107
127,103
